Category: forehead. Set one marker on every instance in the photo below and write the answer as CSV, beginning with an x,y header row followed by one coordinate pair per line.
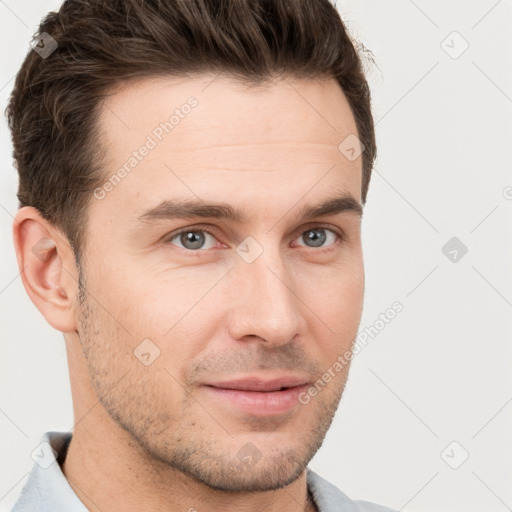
x,y
216,138
321,104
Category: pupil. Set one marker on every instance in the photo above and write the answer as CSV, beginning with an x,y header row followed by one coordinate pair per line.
x,y
318,240
192,240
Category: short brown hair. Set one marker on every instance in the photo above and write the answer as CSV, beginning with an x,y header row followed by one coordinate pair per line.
x,y
53,108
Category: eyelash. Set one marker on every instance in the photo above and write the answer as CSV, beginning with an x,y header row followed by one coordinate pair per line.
x,y
340,237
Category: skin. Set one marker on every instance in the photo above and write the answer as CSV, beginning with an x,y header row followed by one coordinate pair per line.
x,y
151,438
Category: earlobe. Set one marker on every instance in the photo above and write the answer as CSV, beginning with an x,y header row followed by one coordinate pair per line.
x,y
47,267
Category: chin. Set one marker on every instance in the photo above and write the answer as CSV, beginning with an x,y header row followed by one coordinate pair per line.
x,y
240,476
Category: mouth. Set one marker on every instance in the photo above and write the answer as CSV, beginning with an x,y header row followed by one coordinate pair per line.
x,y
259,384
257,396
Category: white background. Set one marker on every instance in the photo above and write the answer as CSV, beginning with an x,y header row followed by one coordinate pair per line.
x,y
440,371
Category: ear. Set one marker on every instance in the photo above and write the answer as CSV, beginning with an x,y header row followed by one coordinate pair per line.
x,y
47,266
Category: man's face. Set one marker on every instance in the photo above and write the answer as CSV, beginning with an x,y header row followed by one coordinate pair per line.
x,y
181,330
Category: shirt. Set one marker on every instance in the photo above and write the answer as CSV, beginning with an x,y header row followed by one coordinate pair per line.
x,y
47,490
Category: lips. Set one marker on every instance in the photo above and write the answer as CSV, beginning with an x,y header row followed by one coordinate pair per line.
x,y
258,384
256,396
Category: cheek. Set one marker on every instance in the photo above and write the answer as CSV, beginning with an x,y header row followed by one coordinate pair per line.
x,y
172,299
179,310
339,304
336,304
338,285
146,298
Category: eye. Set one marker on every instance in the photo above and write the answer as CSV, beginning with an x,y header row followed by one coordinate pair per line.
x,y
316,237
192,239
197,239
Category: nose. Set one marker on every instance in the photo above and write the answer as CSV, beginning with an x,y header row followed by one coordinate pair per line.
x,y
265,304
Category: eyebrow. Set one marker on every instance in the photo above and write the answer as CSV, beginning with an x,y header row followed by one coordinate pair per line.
x,y
191,208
